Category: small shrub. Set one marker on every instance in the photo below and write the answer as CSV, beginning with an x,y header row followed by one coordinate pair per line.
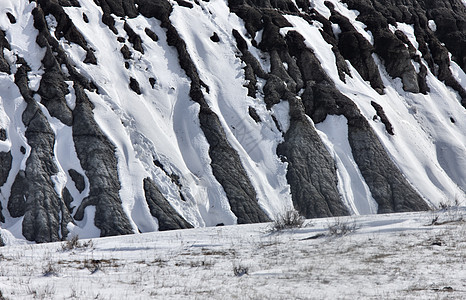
x,y
447,212
46,292
50,270
74,243
93,265
341,228
240,270
289,220
71,244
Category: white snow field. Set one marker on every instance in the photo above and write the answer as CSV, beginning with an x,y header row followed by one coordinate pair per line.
x,y
396,256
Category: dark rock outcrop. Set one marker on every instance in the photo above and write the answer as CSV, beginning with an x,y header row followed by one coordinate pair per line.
x,y
11,18
134,85
74,3
311,170
355,48
397,58
388,186
68,199
167,217
97,156
311,173
134,38
254,115
5,162
226,164
5,166
383,117
320,99
78,179
125,52
151,34
214,38
95,152
33,192
4,65
120,8
2,134
65,27
449,17
53,88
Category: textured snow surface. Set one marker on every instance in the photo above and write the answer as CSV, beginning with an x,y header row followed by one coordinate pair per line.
x,y
397,256
162,123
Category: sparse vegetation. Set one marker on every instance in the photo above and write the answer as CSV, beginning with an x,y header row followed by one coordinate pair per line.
x,y
341,228
447,212
74,243
208,263
93,265
45,292
50,269
288,220
240,270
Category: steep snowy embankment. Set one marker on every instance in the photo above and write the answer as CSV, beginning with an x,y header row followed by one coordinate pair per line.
x,y
422,123
137,116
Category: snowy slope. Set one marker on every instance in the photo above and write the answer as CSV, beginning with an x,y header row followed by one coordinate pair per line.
x,y
157,133
422,123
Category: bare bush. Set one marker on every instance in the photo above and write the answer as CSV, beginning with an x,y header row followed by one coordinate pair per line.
x,y
93,265
240,270
341,228
50,270
446,215
289,220
74,243
47,292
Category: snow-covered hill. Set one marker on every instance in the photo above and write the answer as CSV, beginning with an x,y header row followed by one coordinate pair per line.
x,y
132,116
394,256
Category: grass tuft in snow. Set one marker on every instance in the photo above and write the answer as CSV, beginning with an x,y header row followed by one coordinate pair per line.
x,y
74,244
447,213
46,292
341,228
50,269
288,220
95,265
393,256
240,270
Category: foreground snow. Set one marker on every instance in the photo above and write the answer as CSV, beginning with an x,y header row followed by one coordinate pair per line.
x,y
385,256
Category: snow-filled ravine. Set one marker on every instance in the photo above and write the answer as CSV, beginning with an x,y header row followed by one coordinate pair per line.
x,y
395,256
